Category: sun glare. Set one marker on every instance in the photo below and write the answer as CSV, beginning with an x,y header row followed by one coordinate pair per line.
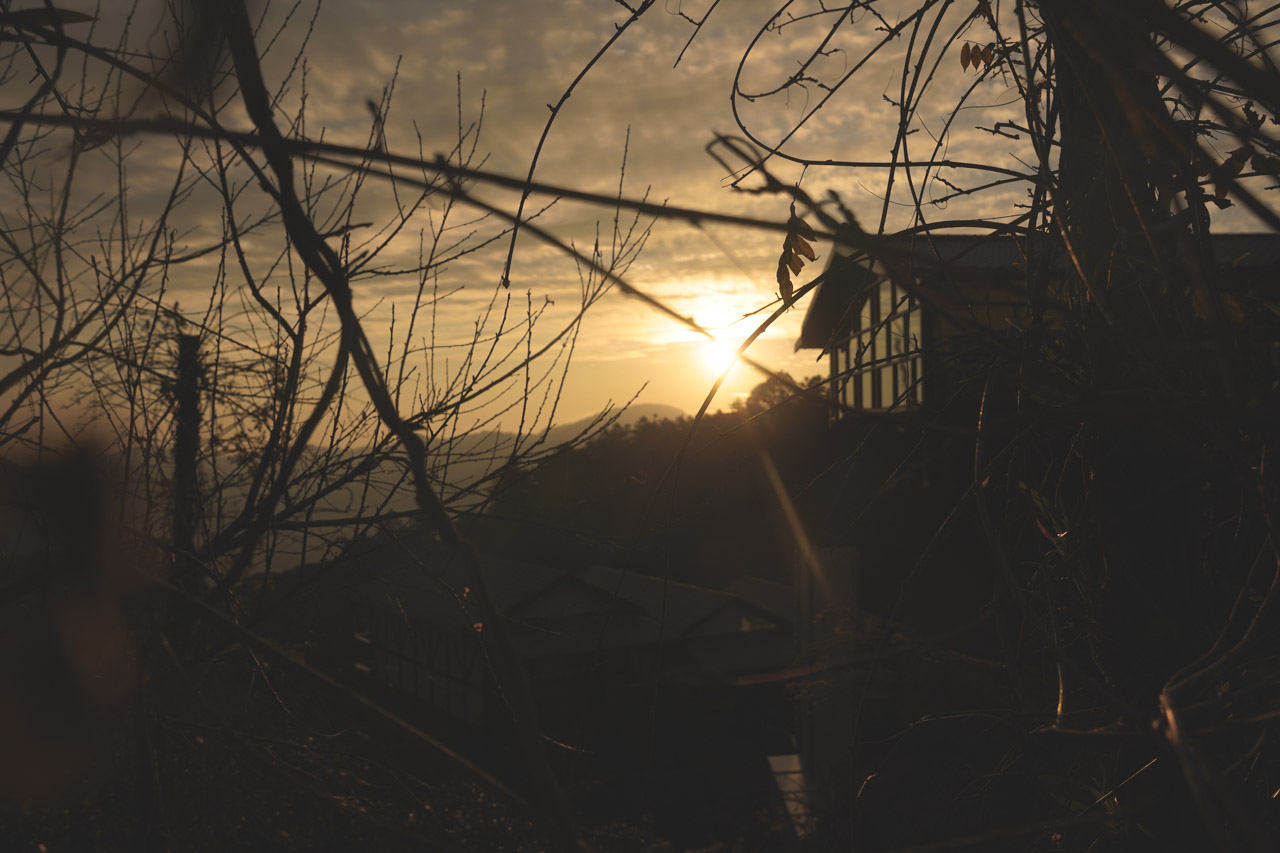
x,y
717,354
719,307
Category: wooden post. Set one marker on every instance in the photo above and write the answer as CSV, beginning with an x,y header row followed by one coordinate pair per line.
x,y
186,508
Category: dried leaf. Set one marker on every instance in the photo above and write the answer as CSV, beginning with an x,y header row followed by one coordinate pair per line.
x,y
984,9
795,250
801,246
964,56
1251,115
988,55
796,225
784,277
1265,164
1236,160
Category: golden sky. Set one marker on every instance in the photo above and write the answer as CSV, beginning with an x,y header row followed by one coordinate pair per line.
x,y
450,58
521,56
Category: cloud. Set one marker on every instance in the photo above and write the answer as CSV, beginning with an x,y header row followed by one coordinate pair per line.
x,y
515,57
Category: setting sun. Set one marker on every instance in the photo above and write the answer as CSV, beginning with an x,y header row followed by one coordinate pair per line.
x,y
718,353
721,313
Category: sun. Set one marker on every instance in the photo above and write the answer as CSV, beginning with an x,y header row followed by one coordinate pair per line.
x,y
717,353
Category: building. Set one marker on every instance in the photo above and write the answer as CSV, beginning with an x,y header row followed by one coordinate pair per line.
x,y
904,598
888,350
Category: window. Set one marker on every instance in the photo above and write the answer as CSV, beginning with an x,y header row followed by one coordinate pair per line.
x,y
879,364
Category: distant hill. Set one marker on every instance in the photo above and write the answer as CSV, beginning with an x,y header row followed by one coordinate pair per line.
x,y
652,411
471,458
633,414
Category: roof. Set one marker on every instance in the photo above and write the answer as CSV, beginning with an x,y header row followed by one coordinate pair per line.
x,y
980,256
964,254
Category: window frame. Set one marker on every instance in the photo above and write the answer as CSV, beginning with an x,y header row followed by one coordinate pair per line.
x,y
893,377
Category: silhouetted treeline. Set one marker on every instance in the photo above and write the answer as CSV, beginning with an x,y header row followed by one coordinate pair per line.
x,y
620,500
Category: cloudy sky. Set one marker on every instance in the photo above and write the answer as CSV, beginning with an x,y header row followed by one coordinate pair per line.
x,y
520,57
453,61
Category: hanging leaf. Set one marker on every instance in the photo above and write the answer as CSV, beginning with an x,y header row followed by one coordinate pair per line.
x,y
964,56
797,232
796,249
802,248
988,55
796,225
784,279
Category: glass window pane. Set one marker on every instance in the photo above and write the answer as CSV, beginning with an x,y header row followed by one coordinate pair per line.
x,y
886,299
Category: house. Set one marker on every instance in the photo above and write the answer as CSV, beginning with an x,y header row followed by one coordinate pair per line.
x,y
903,596
887,350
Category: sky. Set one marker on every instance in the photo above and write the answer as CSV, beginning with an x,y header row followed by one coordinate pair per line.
x,y
520,56
455,61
